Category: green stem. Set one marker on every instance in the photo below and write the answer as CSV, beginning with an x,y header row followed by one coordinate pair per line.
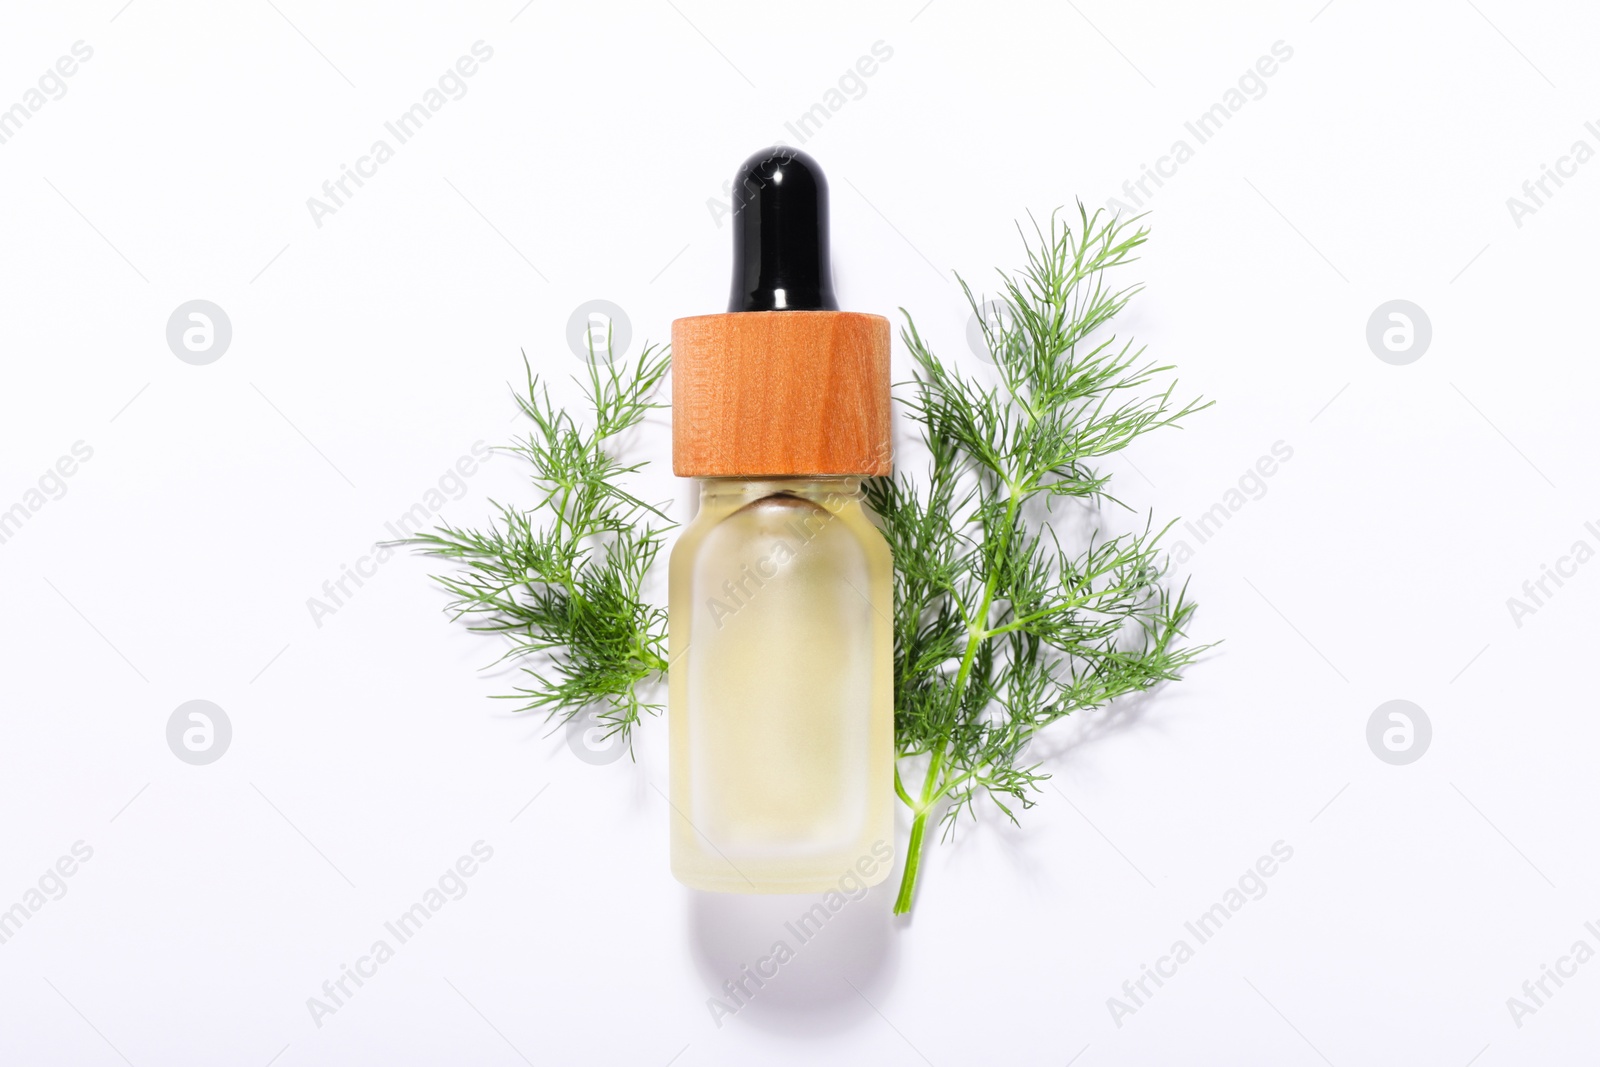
x,y
932,787
900,789
908,881
646,660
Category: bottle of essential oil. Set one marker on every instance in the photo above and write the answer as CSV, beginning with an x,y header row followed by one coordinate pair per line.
x,y
781,708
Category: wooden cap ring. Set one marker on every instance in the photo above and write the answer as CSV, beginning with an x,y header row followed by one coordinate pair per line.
x,y
780,393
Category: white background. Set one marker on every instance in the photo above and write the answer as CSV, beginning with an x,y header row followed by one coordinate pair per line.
x,y
371,352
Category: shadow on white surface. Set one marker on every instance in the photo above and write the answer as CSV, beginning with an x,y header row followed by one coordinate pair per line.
x,y
830,983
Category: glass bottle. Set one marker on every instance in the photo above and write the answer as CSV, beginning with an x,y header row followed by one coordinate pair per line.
x,y
780,684
781,689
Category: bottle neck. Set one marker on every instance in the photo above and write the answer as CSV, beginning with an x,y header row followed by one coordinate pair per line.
x,y
837,490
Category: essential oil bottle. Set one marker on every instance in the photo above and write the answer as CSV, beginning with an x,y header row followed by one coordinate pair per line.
x,y
781,686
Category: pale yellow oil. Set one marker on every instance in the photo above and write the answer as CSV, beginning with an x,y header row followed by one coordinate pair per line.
x,y
781,684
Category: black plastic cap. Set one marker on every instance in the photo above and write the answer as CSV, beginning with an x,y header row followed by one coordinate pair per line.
x,y
780,234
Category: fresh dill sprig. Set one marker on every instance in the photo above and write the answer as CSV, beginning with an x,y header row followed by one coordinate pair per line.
x,y
563,581
1000,629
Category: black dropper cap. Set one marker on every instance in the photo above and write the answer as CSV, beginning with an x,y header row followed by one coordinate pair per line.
x,y
780,234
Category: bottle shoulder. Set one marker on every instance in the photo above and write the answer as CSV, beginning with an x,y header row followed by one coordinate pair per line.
x,y
799,520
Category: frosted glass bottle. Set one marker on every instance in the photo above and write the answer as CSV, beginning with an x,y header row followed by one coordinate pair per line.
x,y
780,683
781,691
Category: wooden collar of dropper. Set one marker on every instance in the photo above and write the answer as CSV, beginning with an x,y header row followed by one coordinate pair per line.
x,y
783,385
768,394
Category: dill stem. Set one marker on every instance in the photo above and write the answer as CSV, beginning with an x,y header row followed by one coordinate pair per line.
x,y
908,881
932,787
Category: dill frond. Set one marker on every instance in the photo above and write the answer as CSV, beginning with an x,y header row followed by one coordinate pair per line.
x,y
562,581
1000,629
